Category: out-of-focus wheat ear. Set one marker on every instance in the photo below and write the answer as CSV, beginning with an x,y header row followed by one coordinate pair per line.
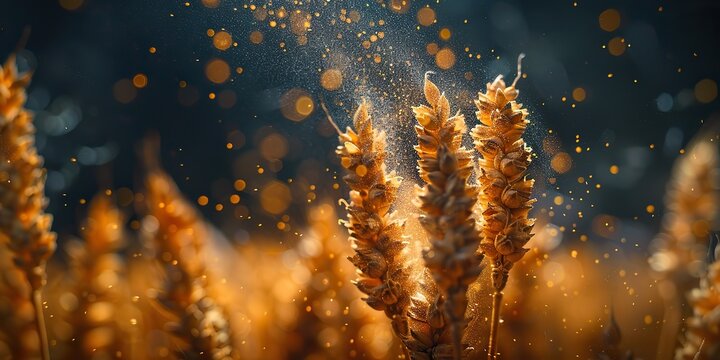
x,y
24,225
97,271
691,211
506,193
446,203
200,323
376,234
701,340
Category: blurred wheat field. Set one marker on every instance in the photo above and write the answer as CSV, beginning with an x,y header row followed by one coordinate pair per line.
x,y
450,263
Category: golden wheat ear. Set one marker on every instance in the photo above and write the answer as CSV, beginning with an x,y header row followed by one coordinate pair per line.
x,y
200,323
24,225
446,202
376,235
505,194
97,271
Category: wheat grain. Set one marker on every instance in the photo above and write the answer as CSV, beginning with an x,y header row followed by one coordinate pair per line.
x,y
201,323
24,226
446,202
506,192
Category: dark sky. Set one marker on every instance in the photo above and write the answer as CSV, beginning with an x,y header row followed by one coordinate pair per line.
x,y
79,56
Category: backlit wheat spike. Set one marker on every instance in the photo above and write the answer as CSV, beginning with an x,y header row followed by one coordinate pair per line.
x,y
446,202
506,192
692,210
24,225
702,337
97,274
376,235
201,323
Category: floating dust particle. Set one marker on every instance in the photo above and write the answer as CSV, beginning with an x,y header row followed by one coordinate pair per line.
x,y
445,34
260,14
275,197
445,58
202,200
706,91
426,16
561,162
650,208
399,6
300,22
616,46
609,20
211,4
579,94
227,99
377,58
152,50
432,48
222,40
331,79
140,80
296,104
239,70
234,199
239,184
273,147
558,200
217,71
256,37
71,5
210,32
614,169
124,91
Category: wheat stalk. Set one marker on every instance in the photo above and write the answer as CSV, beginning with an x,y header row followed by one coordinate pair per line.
x,y
446,202
97,270
376,235
24,226
202,323
505,195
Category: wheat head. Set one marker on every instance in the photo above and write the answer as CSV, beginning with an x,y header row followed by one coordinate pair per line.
x,y
446,202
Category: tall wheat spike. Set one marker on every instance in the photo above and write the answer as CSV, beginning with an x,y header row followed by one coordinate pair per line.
x,y
24,225
506,192
201,323
376,236
97,273
446,202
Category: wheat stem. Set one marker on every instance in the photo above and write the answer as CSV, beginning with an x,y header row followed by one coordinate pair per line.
x,y
40,323
494,324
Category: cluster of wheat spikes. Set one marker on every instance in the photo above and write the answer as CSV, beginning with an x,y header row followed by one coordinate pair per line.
x,y
24,226
430,318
